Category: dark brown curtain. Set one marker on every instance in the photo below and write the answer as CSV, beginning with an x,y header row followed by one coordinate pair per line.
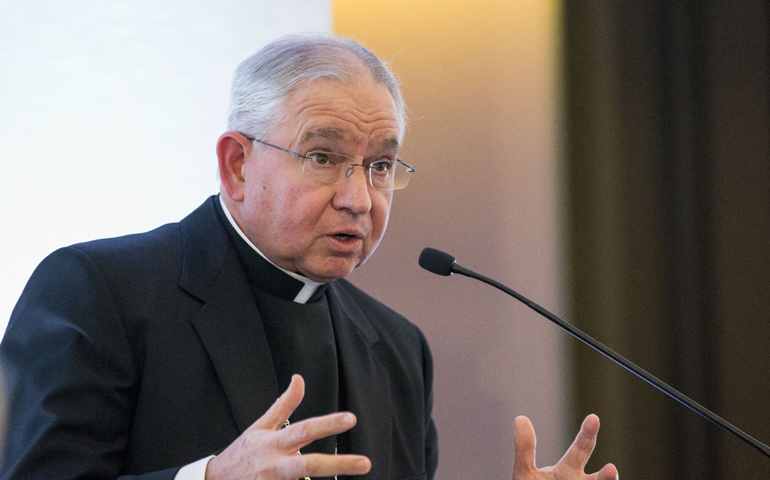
x,y
668,178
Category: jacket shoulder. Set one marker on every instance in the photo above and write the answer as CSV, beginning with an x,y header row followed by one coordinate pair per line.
x,y
134,251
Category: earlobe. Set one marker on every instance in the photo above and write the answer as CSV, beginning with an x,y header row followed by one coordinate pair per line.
x,y
231,153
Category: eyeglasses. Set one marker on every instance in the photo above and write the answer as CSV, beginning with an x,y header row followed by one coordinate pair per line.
x,y
335,168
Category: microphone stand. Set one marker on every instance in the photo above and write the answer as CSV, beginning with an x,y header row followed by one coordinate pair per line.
x,y
622,361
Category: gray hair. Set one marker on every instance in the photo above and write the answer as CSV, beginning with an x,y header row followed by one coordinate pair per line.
x,y
262,82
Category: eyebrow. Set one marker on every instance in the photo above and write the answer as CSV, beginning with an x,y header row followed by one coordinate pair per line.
x,y
390,144
334,134
326,133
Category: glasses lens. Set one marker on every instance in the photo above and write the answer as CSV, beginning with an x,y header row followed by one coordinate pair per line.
x,y
333,168
326,167
387,175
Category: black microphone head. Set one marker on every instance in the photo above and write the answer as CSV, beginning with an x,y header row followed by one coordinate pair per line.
x,y
436,261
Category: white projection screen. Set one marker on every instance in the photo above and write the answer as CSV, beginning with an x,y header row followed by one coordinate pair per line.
x,y
110,112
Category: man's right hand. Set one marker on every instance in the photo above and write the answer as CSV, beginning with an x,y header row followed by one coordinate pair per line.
x,y
267,451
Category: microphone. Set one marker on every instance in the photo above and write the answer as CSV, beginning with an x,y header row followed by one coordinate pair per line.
x,y
440,263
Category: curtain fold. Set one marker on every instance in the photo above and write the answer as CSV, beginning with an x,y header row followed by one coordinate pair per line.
x,y
668,173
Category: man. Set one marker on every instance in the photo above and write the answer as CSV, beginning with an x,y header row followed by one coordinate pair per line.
x,y
161,355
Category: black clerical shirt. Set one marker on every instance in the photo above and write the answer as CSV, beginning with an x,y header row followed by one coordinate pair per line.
x,y
300,335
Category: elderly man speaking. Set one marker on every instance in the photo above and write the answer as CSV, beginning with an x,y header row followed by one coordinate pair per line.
x,y
228,345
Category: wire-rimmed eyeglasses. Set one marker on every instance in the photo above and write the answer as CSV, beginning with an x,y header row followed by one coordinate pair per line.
x,y
335,168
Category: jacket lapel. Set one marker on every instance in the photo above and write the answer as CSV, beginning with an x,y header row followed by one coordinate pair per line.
x,y
231,331
228,324
364,383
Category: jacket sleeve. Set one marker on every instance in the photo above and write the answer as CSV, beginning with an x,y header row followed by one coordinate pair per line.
x,y
70,377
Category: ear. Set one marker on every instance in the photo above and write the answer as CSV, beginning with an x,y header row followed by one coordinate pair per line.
x,y
232,148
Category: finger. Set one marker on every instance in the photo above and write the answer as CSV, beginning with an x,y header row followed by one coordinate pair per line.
x,y
580,450
320,465
524,442
302,433
608,472
275,417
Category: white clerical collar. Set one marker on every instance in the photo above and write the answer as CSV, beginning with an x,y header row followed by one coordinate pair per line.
x,y
309,287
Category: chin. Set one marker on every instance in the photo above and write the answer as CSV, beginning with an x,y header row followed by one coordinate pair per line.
x,y
333,270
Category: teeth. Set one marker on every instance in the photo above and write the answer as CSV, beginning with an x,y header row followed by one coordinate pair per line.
x,y
342,236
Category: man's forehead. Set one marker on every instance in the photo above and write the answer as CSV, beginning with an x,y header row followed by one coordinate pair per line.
x,y
338,135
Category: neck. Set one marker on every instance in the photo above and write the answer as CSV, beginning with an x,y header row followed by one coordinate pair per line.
x,y
310,286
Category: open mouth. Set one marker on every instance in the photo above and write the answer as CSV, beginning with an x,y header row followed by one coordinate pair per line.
x,y
343,237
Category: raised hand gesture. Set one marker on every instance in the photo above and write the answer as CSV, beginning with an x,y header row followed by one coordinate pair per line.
x,y
572,464
267,451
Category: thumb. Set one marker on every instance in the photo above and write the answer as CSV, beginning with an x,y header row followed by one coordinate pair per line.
x,y
609,472
524,442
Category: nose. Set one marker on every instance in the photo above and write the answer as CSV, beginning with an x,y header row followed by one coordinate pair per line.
x,y
353,193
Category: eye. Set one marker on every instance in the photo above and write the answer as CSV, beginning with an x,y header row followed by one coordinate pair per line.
x,y
320,158
381,166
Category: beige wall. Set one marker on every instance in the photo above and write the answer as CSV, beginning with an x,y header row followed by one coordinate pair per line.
x,y
481,81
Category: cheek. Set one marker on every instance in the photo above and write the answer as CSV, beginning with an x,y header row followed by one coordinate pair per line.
x,y
261,201
299,210
267,204
380,215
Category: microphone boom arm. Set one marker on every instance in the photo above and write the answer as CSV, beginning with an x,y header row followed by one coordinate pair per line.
x,y
622,361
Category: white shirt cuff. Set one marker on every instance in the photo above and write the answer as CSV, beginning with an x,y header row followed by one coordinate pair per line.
x,y
194,471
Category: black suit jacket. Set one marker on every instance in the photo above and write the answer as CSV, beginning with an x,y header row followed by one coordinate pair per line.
x,y
137,355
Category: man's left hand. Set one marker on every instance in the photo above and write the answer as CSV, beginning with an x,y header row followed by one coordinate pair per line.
x,y
572,464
